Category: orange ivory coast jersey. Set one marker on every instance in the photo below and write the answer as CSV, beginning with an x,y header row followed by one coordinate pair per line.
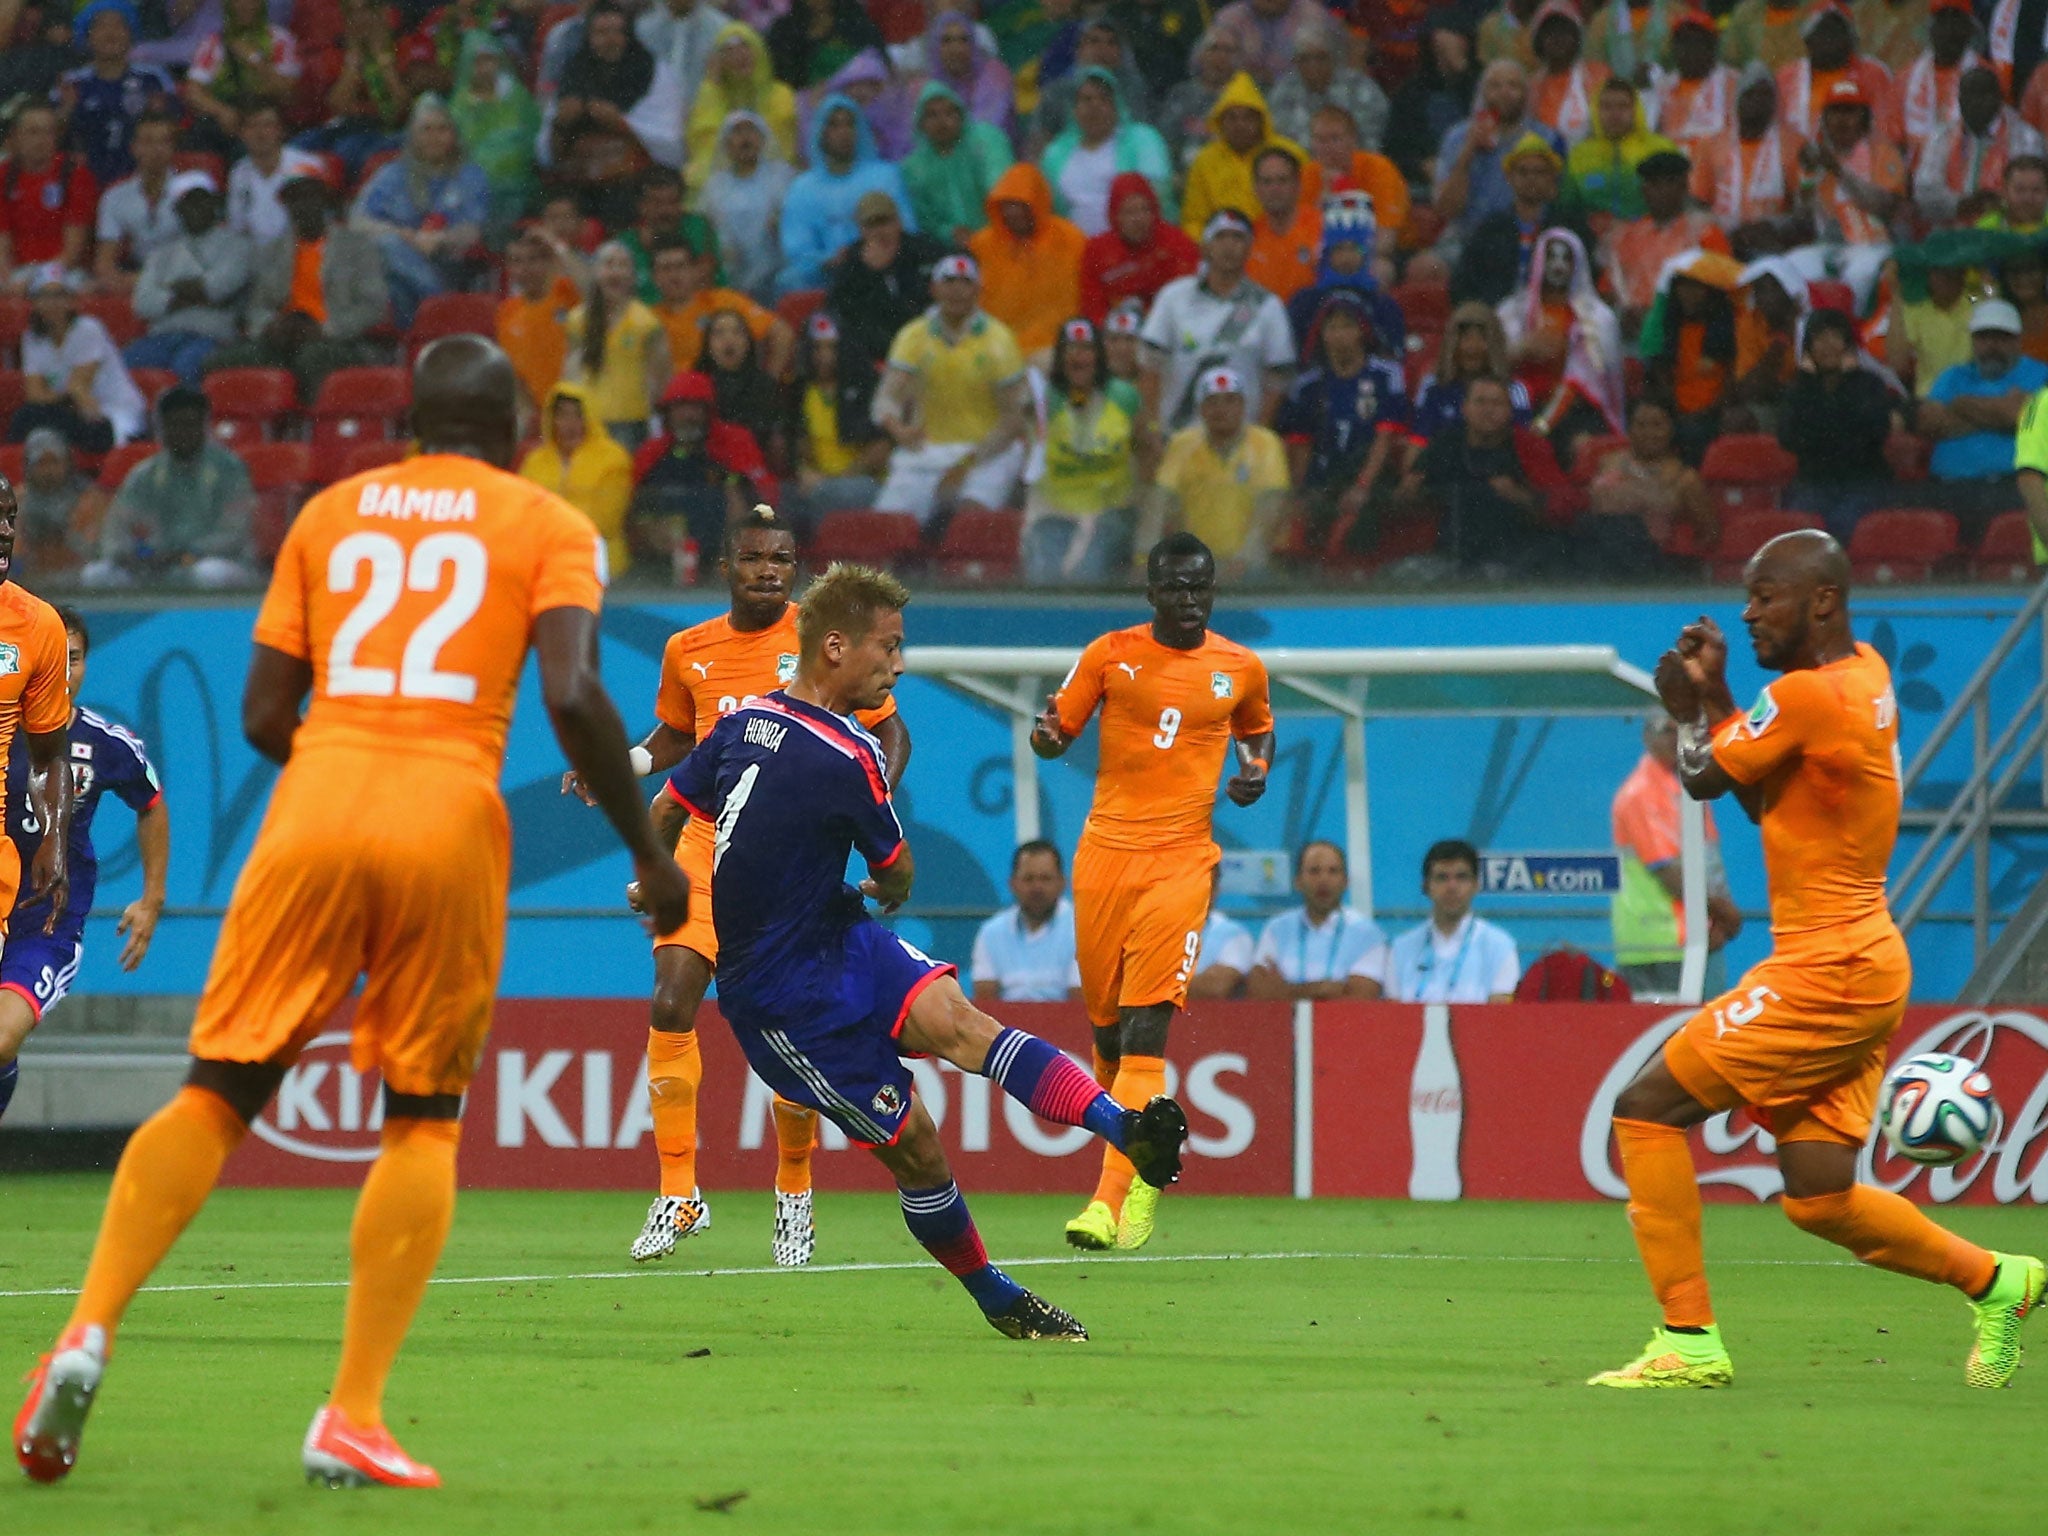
x,y
1167,720
709,670
1822,745
412,590
35,690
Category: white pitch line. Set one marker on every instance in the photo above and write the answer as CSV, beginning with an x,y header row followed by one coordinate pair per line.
x,y
661,1272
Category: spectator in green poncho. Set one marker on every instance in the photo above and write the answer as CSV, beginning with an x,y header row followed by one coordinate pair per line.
x,y
953,167
499,120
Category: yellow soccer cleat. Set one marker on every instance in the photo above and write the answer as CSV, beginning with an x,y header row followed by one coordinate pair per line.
x,y
1141,1209
1674,1360
1094,1228
2015,1292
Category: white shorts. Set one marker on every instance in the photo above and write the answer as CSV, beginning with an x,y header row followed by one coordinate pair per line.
x,y
915,473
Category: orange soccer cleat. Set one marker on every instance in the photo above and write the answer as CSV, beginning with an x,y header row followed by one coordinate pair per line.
x,y
60,1394
346,1455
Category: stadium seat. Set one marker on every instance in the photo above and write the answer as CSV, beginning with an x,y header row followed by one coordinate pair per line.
x,y
114,468
281,474
13,462
1591,450
361,404
876,538
14,315
12,393
2006,552
152,382
1747,471
1424,306
114,312
360,458
981,546
1745,531
452,314
798,307
1902,545
250,404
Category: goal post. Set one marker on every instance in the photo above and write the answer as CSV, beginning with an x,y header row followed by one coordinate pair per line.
x,y
1360,686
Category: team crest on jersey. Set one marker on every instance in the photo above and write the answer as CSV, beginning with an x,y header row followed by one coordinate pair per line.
x,y
1221,685
10,659
1762,713
785,669
889,1100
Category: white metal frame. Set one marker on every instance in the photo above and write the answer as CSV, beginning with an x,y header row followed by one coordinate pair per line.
x,y
1016,680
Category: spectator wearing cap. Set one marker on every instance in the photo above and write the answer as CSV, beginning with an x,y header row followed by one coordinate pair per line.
x,y
46,199
1287,235
1224,480
104,100
1321,78
249,60
1140,253
1973,413
1603,169
880,283
694,480
1829,60
1308,951
1123,350
953,165
1927,88
1893,32
72,375
1472,181
191,289
258,177
1030,260
1077,516
183,514
743,200
1103,144
1633,253
1495,260
368,101
1221,175
577,460
619,348
1216,318
1455,957
686,298
1696,98
315,294
1963,159
832,474
426,211
1861,186
1837,416
532,321
1488,486
1750,175
1345,262
138,213
60,508
819,217
1763,32
955,402
1345,419
1025,953
1566,83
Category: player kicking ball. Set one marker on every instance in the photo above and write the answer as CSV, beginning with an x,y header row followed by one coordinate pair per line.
x,y
707,672
825,1001
1801,1039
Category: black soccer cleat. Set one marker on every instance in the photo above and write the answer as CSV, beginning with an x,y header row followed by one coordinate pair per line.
x,y
1033,1317
1153,1137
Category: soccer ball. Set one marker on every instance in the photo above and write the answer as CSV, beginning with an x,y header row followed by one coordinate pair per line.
x,y
1936,1108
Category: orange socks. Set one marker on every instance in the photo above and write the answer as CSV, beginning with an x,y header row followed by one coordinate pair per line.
x,y
1889,1231
796,1133
1138,1080
1104,1068
166,1173
1664,1210
674,1068
401,1223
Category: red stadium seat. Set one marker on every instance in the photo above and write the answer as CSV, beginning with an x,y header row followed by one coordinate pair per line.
x,y
1904,545
12,393
14,315
2006,552
250,404
152,382
797,308
114,468
1424,306
114,312
278,466
1747,470
452,314
1591,450
361,405
364,457
875,538
1744,532
981,546
13,462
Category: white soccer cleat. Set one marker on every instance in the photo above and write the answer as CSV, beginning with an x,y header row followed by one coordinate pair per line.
x,y
669,1220
60,1394
796,1232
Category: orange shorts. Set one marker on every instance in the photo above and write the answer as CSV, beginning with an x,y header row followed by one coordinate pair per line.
x,y
694,854
376,866
1800,1040
1138,924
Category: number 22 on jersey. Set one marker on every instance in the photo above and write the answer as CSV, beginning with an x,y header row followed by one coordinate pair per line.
x,y
391,574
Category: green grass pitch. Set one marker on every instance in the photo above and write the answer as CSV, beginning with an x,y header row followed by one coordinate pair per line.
x,y
1366,1367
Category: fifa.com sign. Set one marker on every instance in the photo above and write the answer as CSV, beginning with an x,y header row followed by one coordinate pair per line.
x,y
1508,1101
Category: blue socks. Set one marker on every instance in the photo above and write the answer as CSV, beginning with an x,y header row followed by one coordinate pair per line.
x,y
9,1076
938,1219
1045,1081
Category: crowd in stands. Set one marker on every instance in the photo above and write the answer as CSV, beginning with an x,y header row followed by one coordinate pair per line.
x,y
1420,290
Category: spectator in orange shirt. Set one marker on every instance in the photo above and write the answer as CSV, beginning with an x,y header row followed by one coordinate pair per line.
x,y
1333,147
1030,260
1750,175
1635,252
1694,362
531,318
687,299
1287,235
1862,183
1566,84
1831,60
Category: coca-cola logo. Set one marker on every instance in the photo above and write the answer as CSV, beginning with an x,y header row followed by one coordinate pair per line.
x,y
2012,1048
324,1108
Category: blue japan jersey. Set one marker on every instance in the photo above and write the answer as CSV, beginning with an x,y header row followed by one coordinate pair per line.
x,y
103,757
1339,417
793,790
103,122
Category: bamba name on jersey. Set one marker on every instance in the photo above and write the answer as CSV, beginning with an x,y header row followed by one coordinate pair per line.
x,y
408,504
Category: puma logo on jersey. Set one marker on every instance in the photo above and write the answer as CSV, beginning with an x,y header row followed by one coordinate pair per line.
x,y
1133,671
703,668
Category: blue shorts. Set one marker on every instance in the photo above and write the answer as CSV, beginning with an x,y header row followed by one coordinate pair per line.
x,y
843,1062
41,966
